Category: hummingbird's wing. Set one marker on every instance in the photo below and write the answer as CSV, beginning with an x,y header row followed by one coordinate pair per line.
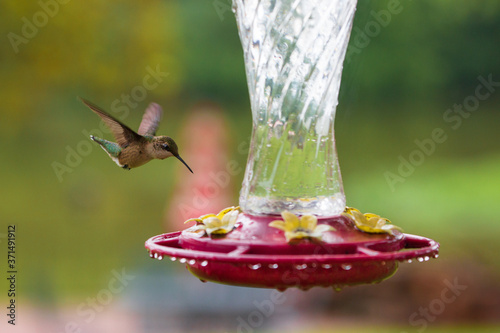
x,y
121,132
150,120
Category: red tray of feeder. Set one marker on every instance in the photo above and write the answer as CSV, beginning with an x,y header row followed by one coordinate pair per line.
x,y
256,255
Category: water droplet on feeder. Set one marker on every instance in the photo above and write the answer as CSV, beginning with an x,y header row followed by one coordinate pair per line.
x,y
183,260
282,46
254,267
326,266
160,257
267,92
156,255
436,255
282,289
301,267
420,259
426,258
204,263
192,262
150,255
409,261
173,258
273,266
346,266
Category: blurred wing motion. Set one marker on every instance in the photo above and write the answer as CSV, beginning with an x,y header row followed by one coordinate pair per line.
x,y
150,120
121,132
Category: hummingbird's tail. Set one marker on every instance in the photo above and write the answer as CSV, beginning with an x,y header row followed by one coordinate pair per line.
x,y
113,149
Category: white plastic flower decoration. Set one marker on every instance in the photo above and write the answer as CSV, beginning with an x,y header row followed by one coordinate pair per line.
x,y
369,222
305,227
222,223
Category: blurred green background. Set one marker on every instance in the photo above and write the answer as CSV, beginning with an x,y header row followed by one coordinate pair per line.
x,y
78,221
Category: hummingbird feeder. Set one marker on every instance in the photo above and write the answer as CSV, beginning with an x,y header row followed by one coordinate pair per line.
x,y
292,228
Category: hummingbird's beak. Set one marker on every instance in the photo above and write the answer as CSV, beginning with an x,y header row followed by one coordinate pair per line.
x,y
180,159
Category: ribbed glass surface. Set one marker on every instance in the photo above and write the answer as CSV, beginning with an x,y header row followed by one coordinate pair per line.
x,y
294,50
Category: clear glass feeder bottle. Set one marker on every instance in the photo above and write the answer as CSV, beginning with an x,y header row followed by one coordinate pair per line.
x,y
293,50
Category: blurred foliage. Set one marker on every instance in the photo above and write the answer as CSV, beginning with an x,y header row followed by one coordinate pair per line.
x,y
442,46
394,91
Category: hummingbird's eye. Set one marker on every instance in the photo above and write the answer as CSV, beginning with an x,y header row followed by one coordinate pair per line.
x,y
165,146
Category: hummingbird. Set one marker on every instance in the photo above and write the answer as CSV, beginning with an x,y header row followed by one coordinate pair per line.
x,y
133,149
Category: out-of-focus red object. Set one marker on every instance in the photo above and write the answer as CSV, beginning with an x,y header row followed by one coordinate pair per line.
x,y
205,145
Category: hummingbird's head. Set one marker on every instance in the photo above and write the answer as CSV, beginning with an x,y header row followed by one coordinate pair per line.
x,y
166,147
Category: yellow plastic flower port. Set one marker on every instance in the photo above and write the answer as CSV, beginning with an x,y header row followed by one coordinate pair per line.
x,y
222,223
369,222
305,227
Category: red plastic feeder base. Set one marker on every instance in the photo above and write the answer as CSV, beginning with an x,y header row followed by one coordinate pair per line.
x,y
256,255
